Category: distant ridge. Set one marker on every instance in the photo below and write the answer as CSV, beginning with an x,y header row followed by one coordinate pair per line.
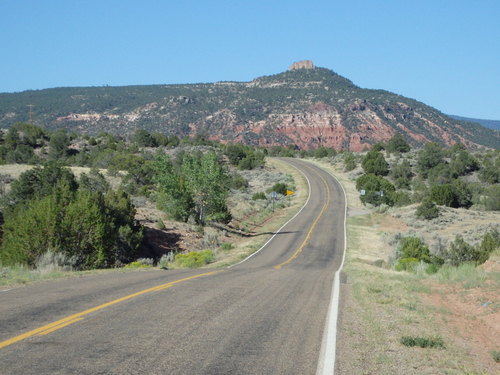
x,y
492,124
305,107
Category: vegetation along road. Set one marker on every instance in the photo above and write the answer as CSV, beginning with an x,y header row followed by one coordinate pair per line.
x,y
266,315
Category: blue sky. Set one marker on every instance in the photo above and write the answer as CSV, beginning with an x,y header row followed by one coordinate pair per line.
x,y
445,53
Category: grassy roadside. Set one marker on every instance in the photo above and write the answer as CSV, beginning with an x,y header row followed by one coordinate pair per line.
x,y
381,306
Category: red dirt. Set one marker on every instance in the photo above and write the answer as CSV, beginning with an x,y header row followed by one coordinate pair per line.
x,y
471,320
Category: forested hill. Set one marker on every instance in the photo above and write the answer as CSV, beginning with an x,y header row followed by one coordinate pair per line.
x,y
492,124
306,107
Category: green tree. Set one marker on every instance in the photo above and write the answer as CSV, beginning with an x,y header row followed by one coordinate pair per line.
x,y
94,229
323,152
430,156
94,181
489,243
377,190
462,163
39,182
30,231
349,161
443,195
374,162
398,144
58,145
174,197
207,183
144,139
440,174
490,171
462,192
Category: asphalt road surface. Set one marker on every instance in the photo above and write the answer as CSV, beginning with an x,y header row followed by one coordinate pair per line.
x,y
264,316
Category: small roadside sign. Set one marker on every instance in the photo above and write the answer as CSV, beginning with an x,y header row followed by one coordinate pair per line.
x,y
289,192
362,192
274,195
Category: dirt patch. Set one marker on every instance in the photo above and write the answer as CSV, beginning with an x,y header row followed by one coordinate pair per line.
x,y
472,321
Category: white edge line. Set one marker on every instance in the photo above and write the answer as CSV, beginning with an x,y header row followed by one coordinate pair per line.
x,y
326,363
284,225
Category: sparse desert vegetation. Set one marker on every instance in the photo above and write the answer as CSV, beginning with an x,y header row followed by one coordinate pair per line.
x,y
412,281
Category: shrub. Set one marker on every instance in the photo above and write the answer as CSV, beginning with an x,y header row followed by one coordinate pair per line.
x,y
443,195
462,252
462,192
490,172
279,188
140,263
165,260
440,174
407,264
492,198
414,247
401,198
427,210
423,342
259,195
238,182
495,354
323,152
462,163
379,146
194,259
402,169
489,243
349,161
52,261
226,246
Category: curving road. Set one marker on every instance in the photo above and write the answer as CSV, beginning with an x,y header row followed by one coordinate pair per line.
x,y
264,316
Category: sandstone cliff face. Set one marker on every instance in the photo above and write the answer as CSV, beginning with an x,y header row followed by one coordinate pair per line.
x,y
320,126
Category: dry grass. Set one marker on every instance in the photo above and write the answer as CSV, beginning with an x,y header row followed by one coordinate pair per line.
x,y
268,222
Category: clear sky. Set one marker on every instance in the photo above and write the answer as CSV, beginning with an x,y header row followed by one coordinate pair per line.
x,y
445,53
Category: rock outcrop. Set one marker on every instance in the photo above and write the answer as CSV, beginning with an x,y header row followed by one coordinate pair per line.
x,y
304,64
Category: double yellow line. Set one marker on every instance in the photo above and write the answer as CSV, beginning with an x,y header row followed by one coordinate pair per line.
x,y
311,229
54,326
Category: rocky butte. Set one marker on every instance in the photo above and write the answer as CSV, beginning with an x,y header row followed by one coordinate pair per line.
x,y
304,64
306,106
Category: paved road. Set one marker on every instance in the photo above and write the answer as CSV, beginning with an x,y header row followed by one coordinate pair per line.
x,y
253,318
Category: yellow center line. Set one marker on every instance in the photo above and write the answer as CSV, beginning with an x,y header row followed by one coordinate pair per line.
x,y
46,332
311,229
61,323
